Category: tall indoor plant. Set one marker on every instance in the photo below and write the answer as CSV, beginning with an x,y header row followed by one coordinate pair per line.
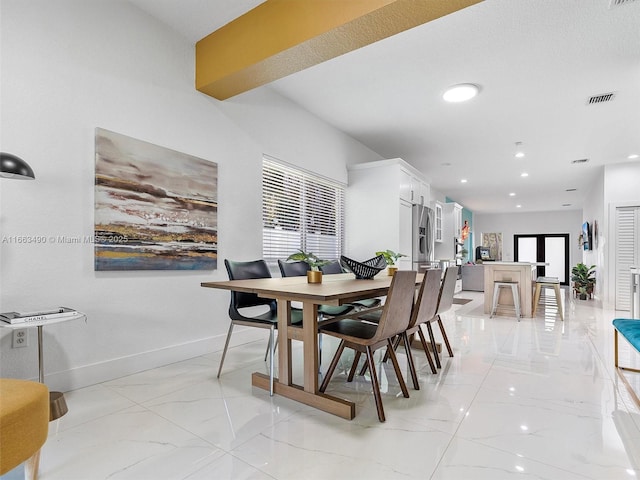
x,y
584,279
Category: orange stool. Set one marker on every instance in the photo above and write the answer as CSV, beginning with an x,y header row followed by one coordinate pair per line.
x,y
24,424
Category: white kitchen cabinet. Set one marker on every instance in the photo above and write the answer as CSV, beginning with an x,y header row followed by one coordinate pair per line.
x,y
437,207
379,203
450,246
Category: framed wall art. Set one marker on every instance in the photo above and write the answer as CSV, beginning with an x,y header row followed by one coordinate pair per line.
x,y
155,208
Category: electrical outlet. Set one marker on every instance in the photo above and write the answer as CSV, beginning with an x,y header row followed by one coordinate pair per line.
x,y
20,337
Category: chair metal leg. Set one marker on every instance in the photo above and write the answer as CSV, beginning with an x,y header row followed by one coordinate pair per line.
x,y
426,350
375,385
266,353
332,367
494,306
224,352
516,300
273,349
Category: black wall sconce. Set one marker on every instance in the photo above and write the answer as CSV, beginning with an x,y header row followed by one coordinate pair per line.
x,y
14,167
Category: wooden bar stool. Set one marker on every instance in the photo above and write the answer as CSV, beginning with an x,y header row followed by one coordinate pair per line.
x,y
547,282
497,285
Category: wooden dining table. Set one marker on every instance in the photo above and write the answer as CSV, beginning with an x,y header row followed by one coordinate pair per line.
x,y
336,290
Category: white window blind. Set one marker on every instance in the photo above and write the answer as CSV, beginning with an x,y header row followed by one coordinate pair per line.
x,y
300,210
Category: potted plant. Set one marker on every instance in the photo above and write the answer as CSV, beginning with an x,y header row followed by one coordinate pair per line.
x,y
314,275
584,279
391,257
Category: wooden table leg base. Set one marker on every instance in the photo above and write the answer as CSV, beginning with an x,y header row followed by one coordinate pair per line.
x,y
327,403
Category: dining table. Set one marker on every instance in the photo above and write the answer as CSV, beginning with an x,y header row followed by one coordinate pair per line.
x,y
336,289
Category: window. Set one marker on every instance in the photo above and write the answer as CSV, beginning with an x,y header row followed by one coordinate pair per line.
x,y
300,210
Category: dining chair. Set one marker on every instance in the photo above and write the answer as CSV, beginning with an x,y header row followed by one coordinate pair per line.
x,y
242,300
335,268
424,309
365,337
445,301
298,269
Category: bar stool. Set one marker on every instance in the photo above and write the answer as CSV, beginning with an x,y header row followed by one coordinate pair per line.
x,y
547,282
497,285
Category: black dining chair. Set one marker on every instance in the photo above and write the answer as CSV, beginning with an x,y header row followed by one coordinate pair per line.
x,y
364,337
242,300
298,269
335,268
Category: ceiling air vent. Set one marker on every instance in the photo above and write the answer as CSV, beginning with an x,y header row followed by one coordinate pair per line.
x,y
603,97
617,3
580,160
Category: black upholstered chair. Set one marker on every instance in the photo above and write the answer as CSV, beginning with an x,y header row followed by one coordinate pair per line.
x,y
242,300
334,268
298,269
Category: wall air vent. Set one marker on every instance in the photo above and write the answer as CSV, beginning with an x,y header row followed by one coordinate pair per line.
x,y
603,97
580,160
617,3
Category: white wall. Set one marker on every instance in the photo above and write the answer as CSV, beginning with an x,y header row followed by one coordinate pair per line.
x,y
621,187
593,212
509,224
68,67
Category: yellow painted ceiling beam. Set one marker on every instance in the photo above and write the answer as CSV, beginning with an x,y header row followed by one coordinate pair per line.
x,y
280,37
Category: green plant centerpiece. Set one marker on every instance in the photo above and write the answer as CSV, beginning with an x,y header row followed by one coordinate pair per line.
x,y
391,258
314,275
584,279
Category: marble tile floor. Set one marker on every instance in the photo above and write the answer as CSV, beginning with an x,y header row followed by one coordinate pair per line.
x,y
536,399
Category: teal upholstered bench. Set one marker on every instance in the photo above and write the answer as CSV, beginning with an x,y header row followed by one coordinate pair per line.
x,y
629,328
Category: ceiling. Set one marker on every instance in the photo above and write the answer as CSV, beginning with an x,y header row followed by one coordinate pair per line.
x,y
537,63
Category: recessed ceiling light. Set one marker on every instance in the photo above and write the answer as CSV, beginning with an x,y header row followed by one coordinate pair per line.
x,y
633,156
518,206
460,93
464,180
519,153
512,194
524,174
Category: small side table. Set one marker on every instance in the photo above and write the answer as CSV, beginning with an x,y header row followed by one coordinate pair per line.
x,y
57,403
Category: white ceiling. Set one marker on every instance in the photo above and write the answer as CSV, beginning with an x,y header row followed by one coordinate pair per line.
x,y
537,63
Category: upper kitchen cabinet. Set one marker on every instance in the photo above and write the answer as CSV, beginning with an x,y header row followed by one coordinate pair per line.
x,y
449,247
380,197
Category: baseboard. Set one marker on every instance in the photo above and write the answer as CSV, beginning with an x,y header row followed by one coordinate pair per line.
x,y
111,369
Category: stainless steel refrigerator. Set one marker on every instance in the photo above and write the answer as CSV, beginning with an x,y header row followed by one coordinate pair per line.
x,y
422,241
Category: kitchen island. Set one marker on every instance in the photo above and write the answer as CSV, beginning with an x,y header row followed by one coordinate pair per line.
x,y
521,272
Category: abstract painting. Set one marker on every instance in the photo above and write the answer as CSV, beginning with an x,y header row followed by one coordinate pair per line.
x,y
494,242
155,208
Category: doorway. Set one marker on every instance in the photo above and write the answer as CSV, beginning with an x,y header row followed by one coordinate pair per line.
x,y
552,249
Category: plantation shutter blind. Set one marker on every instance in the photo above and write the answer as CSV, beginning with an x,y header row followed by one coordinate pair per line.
x,y
300,211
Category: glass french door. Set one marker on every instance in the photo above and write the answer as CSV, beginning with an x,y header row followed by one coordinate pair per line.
x,y
552,249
